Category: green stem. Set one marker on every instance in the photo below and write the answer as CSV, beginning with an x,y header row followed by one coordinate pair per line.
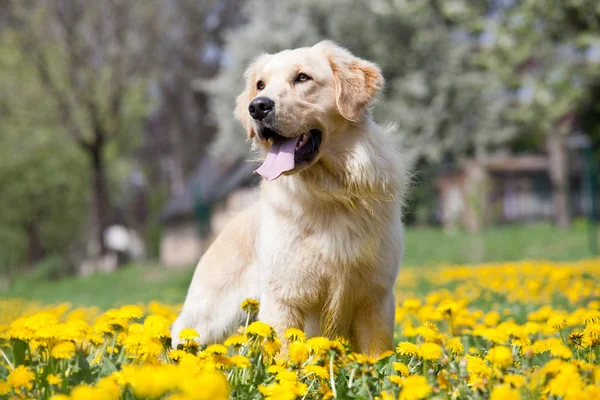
x,y
331,378
12,368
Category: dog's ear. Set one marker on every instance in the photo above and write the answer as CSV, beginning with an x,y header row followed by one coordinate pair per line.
x,y
357,81
241,112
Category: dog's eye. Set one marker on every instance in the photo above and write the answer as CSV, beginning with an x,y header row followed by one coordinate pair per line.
x,y
260,85
302,78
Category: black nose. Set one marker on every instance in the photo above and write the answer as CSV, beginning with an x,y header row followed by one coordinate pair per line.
x,y
260,107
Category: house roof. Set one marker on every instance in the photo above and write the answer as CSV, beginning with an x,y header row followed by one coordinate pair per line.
x,y
209,183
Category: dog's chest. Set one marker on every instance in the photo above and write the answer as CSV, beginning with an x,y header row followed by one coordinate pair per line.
x,y
316,239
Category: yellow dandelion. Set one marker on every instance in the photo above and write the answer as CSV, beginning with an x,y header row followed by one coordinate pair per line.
x,y
477,366
298,352
430,351
398,380
411,304
516,381
216,349
407,349
21,377
130,312
4,388
557,322
318,345
592,333
575,338
295,335
54,379
250,306
591,316
240,361
317,370
260,329
455,346
63,350
60,397
236,340
505,392
401,368
500,356
272,346
157,326
415,387
561,351
188,334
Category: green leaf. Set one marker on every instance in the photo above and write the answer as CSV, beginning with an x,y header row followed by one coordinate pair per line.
x,y
19,349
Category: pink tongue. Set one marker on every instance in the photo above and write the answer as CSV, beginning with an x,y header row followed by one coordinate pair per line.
x,y
280,158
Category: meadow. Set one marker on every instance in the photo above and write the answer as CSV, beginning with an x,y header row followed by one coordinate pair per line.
x,y
506,330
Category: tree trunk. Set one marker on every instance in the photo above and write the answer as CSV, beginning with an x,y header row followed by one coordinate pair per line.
x,y
35,248
100,202
559,176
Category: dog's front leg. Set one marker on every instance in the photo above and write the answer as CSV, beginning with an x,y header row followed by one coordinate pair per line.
x,y
281,316
373,325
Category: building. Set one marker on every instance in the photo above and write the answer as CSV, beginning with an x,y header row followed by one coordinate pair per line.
x,y
504,189
192,218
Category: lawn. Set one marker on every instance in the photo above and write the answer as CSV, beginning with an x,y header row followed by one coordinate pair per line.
x,y
503,331
425,247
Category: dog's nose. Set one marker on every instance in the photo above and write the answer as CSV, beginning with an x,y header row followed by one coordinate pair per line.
x,y
260,107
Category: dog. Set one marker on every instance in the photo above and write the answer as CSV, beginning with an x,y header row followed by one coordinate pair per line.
x,y
322,246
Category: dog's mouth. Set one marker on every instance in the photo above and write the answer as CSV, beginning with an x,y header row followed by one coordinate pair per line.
x,y
288,153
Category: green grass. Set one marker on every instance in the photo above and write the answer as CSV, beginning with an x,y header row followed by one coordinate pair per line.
x,y
424,247
430,246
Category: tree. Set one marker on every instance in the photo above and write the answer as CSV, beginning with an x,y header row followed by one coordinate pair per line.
x,y
91,59
42,177
543,52
446,106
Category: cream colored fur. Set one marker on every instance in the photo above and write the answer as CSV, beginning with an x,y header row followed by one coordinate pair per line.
x,y
322,247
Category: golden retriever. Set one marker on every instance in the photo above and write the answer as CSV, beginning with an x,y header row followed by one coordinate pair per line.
x,y
322,246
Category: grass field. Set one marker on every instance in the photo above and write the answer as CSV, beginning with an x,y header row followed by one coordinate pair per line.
x,y
425,247
505,331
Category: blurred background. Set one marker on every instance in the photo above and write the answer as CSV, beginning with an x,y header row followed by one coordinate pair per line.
x,y
120,159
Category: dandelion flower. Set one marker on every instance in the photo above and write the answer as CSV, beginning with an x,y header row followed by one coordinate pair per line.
x,y
516,381
4,388
157,326
215,349
21,377
505,392
318,345
260,329
455,346
54,379
561,351
415,387
476,366
295,335
575,338
592,333
411,304
250,306
240,361
401,368
407,349
188,334
500,356
235,340
320,372
63,350
298,352
557,322
430,351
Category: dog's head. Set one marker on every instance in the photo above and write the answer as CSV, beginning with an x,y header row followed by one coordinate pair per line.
x,y
295,100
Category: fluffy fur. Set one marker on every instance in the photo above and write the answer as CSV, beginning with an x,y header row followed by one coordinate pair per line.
x,y
322,246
